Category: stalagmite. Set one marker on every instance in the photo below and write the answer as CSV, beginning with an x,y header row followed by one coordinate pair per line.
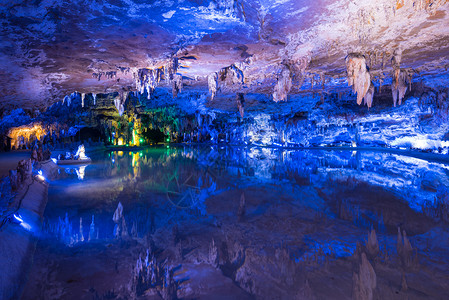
x,y
212,81
283,85
213,254
358,76
176,85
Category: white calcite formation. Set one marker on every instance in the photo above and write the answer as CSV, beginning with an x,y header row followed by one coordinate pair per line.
x,y
399,87
359,77
212,82
283,85
119,102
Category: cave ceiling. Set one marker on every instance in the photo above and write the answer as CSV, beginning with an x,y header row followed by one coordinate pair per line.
x,y
51,48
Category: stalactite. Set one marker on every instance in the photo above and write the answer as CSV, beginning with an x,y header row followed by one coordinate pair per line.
x,y
170,69
283,85
368,99
399,87
396,65
240,102
67,99
384,60
381,81
95,98
83,97
231,75
147,80
410,79
358,76
212,82
176,85
120,102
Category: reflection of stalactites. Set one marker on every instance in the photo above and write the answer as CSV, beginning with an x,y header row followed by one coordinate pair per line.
x,y
242,204
95,98
283,85
365,281
358,75
176,85
81,237
399,88
212,82
240,101
92,229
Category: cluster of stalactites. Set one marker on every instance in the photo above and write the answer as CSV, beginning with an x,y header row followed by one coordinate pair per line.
x,y
359,78
283,85
176,85
170,70
120,102
231,75
399,86
212,82
147,80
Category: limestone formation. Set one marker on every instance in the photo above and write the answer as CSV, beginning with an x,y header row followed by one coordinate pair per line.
x,y
359,77
176,85
283,85
212,81
399,86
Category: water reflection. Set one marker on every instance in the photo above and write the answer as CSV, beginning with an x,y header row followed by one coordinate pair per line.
x,y
185,177
306,216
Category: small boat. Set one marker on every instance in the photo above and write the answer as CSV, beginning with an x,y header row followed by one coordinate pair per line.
x,y
79,158
74,161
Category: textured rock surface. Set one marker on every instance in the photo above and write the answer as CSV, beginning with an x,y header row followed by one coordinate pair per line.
x,y
50,48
